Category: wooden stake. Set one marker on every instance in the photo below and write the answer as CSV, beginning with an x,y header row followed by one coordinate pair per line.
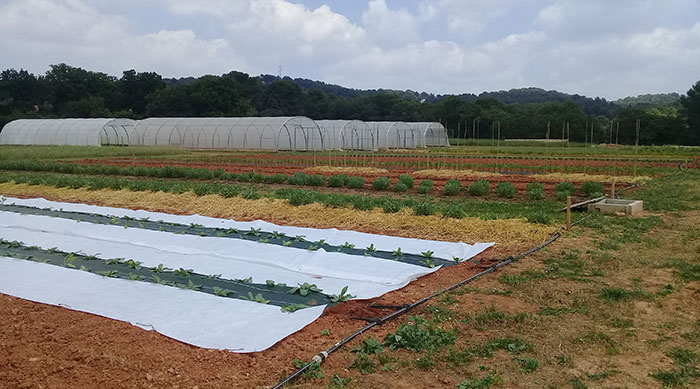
x,y
568,213
612,192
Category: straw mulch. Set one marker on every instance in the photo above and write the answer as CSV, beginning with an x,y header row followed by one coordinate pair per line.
x,y
345,170
508,232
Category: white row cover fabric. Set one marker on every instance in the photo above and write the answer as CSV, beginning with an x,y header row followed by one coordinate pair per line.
x,y
333,236
349,134
395,135
431,134
200,319
257,133
189,316
67,132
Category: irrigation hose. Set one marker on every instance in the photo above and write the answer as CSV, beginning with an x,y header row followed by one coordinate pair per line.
x,y
323,355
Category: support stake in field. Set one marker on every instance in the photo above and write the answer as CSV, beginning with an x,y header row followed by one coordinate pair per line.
x,y
568,213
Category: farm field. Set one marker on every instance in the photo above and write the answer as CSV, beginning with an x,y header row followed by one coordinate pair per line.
x,y
611,303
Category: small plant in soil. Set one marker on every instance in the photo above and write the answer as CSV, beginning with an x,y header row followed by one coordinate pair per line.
x,y
342,297
381,183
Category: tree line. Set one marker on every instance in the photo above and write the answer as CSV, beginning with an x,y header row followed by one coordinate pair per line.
x,y
66,91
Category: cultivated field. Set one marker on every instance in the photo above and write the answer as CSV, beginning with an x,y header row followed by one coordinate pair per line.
x,y
611,303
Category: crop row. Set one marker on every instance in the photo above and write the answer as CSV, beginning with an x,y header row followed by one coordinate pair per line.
x,y
539,211
429,162
256,235
405,182
288,298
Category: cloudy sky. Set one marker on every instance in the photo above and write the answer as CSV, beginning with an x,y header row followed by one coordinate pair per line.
x,y
607,48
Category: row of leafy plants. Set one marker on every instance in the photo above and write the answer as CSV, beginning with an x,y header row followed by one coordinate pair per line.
x,y
405,182
426,258
288,298
538,211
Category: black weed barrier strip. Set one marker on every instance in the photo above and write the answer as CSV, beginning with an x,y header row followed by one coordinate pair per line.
x,y
256,235
270,293
320,357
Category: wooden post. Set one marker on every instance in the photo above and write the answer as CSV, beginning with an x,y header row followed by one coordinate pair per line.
x,y
612,191
568,213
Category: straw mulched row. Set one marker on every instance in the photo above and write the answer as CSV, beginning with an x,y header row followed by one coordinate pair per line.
x,y
345,170
508,232
445,173
551,177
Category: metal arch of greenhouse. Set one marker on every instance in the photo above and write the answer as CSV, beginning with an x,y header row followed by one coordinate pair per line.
x,y
395,135
349,134
67,132
258,133
431,134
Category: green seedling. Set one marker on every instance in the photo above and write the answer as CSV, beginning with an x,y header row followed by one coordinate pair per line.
x,y
160,281
277,235
304,289
342,297
69,261
299,238
160,268
264,241
293,307
397,253
429,263
270,283
222,292
248,280
457,259
135,277
287,243
114,261
190,285
258,298
213,276
325,333
371,248
254,232
312,247
109,273
194,225
427,254
348,245
136,265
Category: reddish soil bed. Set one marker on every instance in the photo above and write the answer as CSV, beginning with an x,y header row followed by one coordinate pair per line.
x,y
519,181
48,346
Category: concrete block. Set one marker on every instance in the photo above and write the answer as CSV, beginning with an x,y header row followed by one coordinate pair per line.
x,y
615,206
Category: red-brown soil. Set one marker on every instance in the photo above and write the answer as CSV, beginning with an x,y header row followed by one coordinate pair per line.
x,y
519,181
46,346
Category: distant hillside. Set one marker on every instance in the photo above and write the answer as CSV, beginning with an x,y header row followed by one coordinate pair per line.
x,y
591,106
656,100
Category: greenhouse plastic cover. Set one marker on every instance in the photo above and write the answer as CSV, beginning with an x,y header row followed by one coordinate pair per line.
x,y
189,316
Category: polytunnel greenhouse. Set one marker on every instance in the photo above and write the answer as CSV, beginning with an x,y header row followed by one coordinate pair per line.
x,y
432,134
258,133
67,132
348,134
395,135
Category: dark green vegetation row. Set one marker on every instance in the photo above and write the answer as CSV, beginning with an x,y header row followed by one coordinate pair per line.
x,y
290,299
255,235
539,211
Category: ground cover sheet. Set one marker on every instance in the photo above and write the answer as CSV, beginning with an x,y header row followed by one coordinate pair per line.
x,y
193,317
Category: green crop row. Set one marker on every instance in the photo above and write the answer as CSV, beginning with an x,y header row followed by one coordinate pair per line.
x,y
456,209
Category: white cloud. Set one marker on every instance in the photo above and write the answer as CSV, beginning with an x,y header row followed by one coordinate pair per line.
x,y
387,27
594,47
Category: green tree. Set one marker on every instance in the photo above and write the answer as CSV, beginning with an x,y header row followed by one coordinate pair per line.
x,y
691,111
